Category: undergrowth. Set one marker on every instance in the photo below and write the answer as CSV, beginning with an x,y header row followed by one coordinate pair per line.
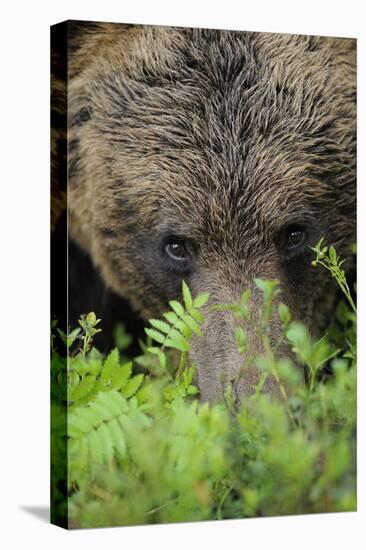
x,y
141,448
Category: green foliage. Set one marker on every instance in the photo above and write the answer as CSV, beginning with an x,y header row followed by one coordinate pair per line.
x,y
327,257
122,339
142,448
181,323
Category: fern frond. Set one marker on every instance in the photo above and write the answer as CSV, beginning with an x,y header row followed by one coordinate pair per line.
x,y
90,376
180,323
96,431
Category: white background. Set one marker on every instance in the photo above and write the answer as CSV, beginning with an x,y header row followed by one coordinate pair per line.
x,y
24,286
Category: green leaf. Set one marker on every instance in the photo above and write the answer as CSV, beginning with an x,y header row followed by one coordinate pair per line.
x,y
319,244
332,255
340,366
162,359
201,299
111,364
74,430
82,389
68,339
268,287
132,386
117,437
240,338
197,315
299,337
114,401
122,339
82,419
93,366
183,328
235,308
284,314
91,318
155,335
177,307
160,325
181,346
105,441
176,336
187,297
153,350
104,414
171,317
193,325
77,454
245,296
120,378
95,447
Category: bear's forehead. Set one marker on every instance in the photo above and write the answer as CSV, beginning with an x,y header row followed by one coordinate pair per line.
x,y
193,86
214,108
219,126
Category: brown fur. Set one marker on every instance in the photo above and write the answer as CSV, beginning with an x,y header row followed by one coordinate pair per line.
x,y
222,137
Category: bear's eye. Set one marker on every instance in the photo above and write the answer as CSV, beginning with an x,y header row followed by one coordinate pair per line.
x,y
176,249
291,241
295,237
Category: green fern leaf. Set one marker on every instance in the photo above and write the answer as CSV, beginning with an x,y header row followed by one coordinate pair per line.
x,y
74,430
184,328
160,325
78,452
153,350
82,389
171,317
179,345
155,335
105,442
114,401
117,437
73,447
103,413
162,359
201,299
177,307
79,365
83,418
121,377
127,424
95,447
197,315
187,297
94,366
193,325
175,335
110,366
132,386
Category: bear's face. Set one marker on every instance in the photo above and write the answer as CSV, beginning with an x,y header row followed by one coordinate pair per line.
x,y
215,157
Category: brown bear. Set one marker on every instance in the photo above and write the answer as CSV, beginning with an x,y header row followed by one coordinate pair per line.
x,y
215,157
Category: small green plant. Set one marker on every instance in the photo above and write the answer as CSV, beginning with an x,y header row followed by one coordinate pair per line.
x,y
345,317
142,448
179,325
327,258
